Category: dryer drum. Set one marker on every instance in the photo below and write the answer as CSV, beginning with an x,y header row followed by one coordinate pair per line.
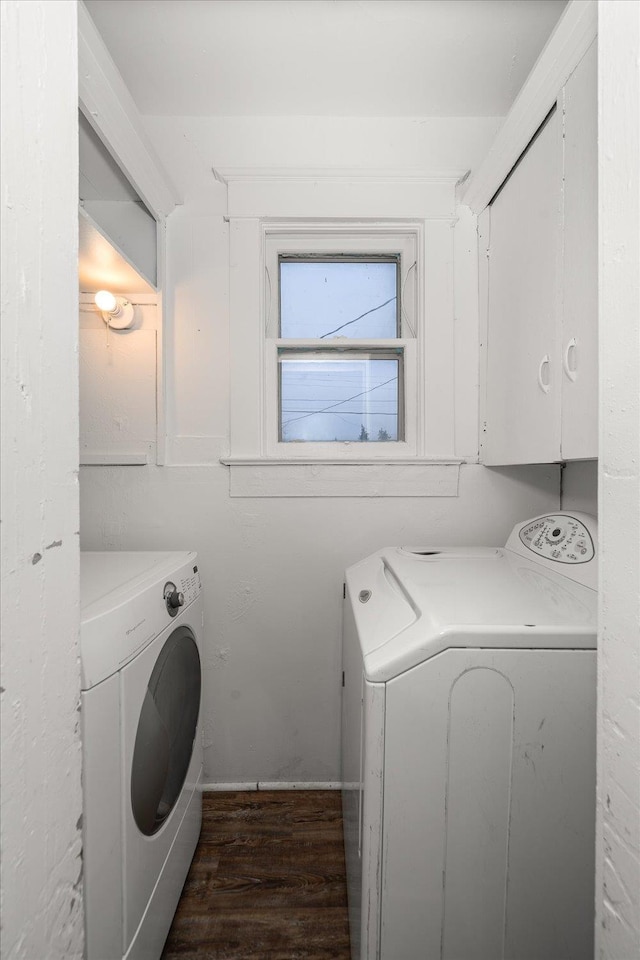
x,y
166,731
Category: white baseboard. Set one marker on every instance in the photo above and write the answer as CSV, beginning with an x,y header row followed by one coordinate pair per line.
x,y
272,785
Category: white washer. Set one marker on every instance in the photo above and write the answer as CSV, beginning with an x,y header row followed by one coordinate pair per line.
x,y
469,735
141,635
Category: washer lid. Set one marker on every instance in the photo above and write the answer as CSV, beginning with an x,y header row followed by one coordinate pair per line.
x,y
492,598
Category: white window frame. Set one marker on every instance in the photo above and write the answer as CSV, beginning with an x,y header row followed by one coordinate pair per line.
x,y
444,389
403,240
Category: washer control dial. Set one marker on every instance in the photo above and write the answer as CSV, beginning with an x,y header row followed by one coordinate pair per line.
x,y
558,537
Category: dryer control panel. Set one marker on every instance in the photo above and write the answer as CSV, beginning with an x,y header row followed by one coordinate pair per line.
x,y
559,538
190,584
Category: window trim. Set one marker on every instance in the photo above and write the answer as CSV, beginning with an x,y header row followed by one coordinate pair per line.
x,y
446,248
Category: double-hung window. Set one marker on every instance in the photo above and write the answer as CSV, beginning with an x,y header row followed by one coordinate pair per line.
x,y
341,349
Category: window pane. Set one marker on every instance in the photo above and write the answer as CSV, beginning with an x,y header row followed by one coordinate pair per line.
x,y
327,397
339,298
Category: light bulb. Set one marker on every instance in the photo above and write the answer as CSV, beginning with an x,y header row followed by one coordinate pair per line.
x,y
117,312
106,302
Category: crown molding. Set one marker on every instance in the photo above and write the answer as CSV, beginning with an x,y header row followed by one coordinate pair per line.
x,y
337,174
339,193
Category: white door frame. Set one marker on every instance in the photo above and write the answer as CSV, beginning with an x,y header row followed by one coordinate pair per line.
x,y
617,932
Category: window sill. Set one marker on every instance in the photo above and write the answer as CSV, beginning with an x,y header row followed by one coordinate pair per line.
x,y
250,477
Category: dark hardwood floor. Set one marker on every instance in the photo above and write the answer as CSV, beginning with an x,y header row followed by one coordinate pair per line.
x,y
267,880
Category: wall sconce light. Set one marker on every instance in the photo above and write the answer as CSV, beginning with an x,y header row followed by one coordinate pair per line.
x,y
116,311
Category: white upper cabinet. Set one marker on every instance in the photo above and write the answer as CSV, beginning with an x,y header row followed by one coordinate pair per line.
x,y
539,235
525,250
579,438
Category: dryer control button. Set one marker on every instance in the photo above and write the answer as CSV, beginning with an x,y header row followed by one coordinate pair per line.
x,y
173,598
364,595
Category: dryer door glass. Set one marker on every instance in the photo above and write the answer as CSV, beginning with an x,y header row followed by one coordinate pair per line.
x,y
166,731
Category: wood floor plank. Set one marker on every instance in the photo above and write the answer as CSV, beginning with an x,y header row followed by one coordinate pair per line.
x,y
267,881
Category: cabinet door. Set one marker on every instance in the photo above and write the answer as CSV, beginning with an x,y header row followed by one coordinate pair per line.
x,y
523,350
580,315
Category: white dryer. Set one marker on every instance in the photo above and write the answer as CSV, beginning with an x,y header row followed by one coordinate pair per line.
x,y
141,635
469,736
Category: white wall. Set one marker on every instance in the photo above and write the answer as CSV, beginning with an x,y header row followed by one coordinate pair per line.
x,y
273,567
618,817
272,571
41,755
118,384
580,486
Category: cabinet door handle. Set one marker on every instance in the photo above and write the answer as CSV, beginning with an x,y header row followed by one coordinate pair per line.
x,y
571,372
545,362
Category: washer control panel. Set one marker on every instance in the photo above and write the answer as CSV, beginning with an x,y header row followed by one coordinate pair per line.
x,y
558,537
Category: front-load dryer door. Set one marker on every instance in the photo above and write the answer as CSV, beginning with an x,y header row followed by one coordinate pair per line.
x,y
166,731
160,697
